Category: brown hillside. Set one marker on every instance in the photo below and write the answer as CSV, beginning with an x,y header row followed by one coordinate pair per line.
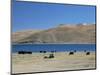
x,y
62,34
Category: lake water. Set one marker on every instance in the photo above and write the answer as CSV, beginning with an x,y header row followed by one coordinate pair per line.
x,y
51,47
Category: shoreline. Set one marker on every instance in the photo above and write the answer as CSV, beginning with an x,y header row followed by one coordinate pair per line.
x,y
49,43
67,51
82,51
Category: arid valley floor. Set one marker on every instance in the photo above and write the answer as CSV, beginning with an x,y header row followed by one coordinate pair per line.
x,y
36,62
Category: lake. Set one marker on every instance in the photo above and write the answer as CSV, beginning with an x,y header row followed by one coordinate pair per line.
x,y
51,47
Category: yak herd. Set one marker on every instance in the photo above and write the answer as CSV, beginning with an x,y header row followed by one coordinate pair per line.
x,y
24,52
52,53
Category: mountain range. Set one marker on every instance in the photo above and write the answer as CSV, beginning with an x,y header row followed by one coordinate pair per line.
x,y
63,33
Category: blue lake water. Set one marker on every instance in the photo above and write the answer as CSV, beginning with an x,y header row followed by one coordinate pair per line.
x,y
51,47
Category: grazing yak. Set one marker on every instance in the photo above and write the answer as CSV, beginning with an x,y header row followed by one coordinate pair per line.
x,y
87,53
50,56
24,52
45,57
42,51
71,53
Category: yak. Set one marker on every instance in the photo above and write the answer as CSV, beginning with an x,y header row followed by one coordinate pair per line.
x,y
24,52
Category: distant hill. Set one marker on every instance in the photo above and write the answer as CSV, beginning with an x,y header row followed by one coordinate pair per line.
x,y
79,33
17,36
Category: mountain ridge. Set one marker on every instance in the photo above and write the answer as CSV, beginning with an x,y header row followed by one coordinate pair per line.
x,y
61,34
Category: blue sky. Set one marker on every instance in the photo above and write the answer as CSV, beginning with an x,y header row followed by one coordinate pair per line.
x,y
32,15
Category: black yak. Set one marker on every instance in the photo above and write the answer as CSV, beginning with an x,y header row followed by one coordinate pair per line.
x,y
24,52
71,53
50,56
87,53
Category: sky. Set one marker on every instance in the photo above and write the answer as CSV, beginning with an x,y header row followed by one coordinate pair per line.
x,y
39,16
